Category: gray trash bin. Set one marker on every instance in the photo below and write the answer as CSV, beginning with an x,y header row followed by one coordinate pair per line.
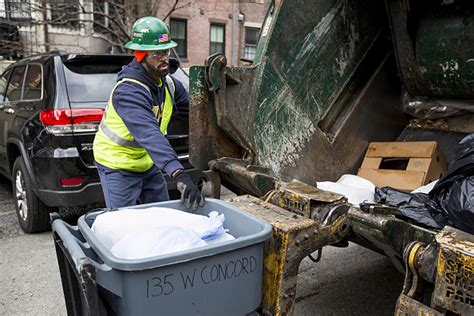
x,y
219,279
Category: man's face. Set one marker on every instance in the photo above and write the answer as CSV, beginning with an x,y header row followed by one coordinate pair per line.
x,y
158,62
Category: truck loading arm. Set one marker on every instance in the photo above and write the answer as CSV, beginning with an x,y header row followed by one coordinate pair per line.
x,y
291,116
294,238
301,223
438,267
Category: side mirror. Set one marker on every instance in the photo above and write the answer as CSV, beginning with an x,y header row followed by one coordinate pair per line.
x,y
173,65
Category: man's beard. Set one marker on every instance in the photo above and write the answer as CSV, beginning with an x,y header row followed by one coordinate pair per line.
x,y
161,70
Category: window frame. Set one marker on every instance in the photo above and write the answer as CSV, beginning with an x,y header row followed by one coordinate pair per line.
x,y
250,45
27,66
24,82
98,18
70,25
7,77
8,10
223,37
10,102
185,21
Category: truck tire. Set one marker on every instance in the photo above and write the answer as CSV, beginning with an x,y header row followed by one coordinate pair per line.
x,y
32,213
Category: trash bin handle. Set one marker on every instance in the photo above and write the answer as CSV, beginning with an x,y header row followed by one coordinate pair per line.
x,y
74,248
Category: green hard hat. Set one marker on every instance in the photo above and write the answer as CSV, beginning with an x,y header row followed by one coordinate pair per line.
x,y
150,33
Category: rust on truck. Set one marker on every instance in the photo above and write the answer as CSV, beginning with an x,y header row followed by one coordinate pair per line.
x,y
328,78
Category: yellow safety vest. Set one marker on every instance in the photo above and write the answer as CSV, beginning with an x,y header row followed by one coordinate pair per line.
x,y
114,145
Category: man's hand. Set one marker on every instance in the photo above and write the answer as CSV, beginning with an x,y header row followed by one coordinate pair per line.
x,y
190,193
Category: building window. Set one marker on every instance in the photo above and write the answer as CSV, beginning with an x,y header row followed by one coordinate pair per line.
x,y
179,35
251,41
65,13
101,13
217,38
18,9
106,15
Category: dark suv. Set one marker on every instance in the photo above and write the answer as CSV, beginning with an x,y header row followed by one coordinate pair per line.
x,y
50,109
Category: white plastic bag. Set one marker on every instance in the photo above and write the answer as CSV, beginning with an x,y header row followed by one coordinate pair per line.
x,y
354,188
110,227
219,238
356,181
156,241
143,233
426,188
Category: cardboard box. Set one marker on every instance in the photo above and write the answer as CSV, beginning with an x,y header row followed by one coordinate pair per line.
x,y
421,163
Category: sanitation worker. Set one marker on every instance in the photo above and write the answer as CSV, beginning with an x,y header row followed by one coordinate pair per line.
x,y
130,148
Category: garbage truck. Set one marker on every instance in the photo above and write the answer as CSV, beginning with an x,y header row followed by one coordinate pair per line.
x,y
330,77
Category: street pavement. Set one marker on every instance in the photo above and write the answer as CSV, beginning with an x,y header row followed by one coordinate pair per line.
x,y
29,277
347,281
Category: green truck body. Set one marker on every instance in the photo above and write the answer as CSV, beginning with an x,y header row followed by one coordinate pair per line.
x,y
330,76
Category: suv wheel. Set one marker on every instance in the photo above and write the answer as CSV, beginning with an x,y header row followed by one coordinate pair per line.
x,y
33,214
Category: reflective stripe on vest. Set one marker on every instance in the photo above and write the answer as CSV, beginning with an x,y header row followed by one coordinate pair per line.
x,y
115,147
165,115
171,87
107,131
117,139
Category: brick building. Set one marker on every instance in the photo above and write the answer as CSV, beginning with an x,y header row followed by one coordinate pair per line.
x,y
201,27
204,27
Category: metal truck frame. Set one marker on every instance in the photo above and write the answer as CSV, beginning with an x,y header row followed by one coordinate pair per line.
x,y
327,79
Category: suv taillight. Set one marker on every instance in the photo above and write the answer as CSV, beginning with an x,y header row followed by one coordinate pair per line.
x,y
66,121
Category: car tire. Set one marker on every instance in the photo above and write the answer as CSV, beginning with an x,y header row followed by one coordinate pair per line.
x,y
32,213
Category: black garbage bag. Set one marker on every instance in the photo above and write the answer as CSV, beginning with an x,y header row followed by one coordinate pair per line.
x,y
417,208
451,202
454,192
457,201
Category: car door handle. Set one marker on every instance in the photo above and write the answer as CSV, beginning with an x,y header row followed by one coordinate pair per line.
x,y
9,110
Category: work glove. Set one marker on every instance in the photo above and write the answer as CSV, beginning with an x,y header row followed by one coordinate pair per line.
x,y
190,193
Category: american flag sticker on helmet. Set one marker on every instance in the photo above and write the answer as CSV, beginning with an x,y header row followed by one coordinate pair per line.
x,y
162,38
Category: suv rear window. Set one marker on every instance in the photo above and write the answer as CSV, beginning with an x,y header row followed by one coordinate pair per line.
x,y
89,82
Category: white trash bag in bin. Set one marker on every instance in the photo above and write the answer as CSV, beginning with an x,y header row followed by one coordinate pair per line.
x,y
156,241
142,233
